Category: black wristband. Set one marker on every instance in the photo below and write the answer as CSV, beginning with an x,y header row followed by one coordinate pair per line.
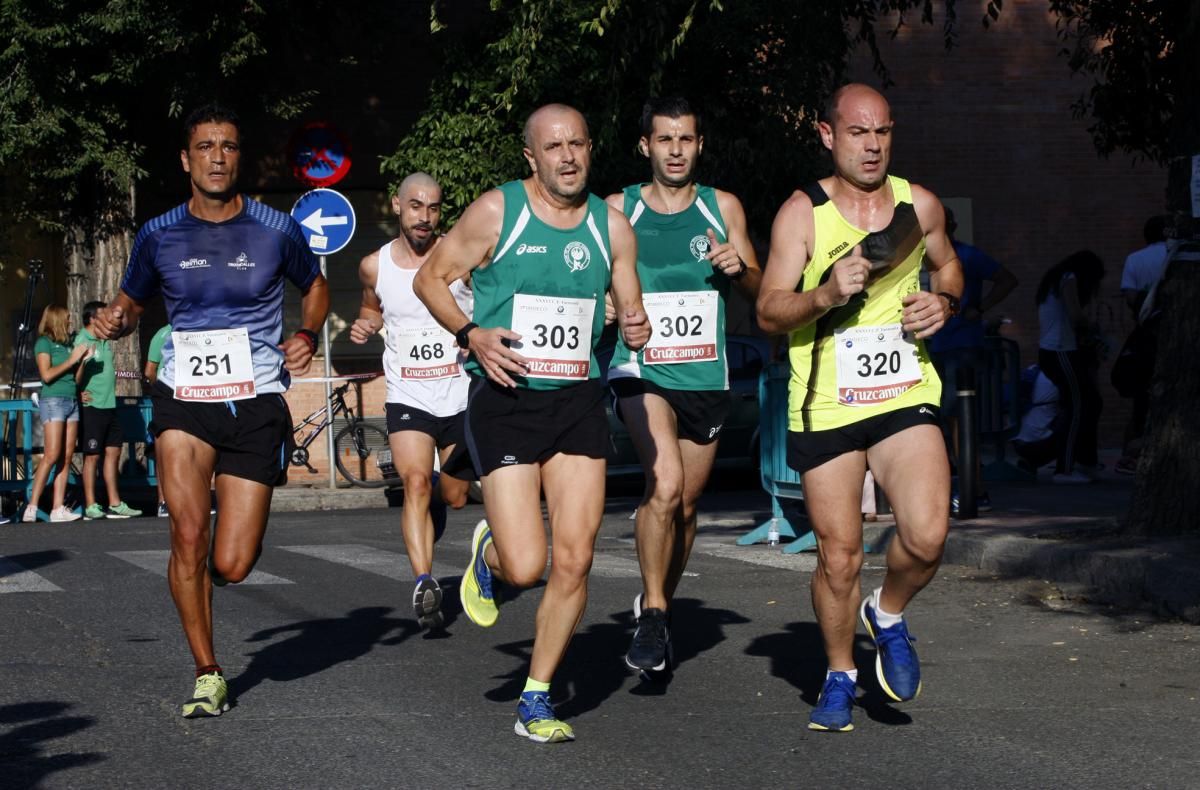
x,y
952,301
463,336
741,272
310,336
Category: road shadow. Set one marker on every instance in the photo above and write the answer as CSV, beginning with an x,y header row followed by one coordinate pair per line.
x,y
29,725
594,669
33,560
798,657
317,645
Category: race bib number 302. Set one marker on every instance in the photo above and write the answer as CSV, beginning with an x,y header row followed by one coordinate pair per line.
x,y
875,364
427,353
684,327
556,335
213,366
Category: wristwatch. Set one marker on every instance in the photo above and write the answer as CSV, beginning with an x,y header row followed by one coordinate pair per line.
x,y
952,301
463,336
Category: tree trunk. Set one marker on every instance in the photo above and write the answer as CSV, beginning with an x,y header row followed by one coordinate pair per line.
x,y
1166,494
96,260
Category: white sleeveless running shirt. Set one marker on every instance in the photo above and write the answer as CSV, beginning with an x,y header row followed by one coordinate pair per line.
x,y
421,362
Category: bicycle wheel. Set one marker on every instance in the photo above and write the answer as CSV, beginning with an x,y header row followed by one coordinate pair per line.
x,y
356,451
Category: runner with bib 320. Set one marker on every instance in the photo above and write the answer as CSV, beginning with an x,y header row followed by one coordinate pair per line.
x,y
846,253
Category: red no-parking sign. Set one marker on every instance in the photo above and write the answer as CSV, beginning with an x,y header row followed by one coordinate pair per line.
x,y
320,154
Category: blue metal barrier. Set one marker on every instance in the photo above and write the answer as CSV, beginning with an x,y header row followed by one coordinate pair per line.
x,y
133,415
778,479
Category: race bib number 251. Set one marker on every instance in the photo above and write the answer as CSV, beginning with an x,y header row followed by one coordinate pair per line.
x,y
213,366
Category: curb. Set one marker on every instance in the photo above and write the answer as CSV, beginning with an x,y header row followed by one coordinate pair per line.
x,y
300,499
1162,576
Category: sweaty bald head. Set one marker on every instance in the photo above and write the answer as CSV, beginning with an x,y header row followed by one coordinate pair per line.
x,y
549,115
418,204
851,93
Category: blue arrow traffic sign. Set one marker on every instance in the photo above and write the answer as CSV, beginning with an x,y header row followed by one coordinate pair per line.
x,y
326,218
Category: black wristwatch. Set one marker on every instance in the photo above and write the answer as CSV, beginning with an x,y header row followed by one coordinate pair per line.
x,y
463,336
952,300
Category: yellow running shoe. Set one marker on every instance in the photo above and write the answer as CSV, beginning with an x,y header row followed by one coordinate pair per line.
x,y
476,589
210,698
537,722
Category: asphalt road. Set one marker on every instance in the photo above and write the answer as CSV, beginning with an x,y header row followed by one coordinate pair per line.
x,y
336,687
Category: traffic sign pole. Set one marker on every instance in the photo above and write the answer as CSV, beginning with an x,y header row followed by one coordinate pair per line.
x,y
329,394
327,221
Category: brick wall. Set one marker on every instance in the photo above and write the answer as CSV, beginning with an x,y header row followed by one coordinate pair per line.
x,y
990,122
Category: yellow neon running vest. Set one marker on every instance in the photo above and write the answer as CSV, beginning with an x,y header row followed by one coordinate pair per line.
x,y
854,362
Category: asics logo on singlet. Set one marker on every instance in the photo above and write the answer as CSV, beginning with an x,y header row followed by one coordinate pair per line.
x,y
242,261
699,246
532,249
577,256
193,263
839,248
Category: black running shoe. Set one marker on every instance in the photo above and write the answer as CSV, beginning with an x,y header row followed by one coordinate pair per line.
x,y
427,602
651,645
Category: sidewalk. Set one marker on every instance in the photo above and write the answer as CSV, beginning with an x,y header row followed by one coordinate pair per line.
x,y
1065,534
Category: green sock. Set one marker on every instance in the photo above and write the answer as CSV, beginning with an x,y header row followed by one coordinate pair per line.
x,y
535,685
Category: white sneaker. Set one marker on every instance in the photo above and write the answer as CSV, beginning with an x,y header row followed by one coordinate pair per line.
x,y
1072,478
64,514
30,514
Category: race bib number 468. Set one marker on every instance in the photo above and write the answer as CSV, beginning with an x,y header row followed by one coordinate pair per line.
x,y
213,366
427,353
684,327
875,364
556,335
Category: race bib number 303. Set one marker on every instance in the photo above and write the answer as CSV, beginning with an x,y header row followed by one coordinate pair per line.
x,y
556,335
213,366
684,326
875,364
427,353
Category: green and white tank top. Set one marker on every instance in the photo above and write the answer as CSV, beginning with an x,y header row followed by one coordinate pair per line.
x,y
683,295
547,284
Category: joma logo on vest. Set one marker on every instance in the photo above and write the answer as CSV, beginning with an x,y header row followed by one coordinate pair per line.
x,y
839,248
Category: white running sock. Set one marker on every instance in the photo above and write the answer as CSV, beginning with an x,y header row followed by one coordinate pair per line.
x,y
885,619
853,673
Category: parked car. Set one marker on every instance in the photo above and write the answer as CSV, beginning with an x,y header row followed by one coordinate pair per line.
x,y
747,356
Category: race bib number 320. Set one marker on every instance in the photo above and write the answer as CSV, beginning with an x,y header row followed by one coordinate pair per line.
x,y
875,364
684,325
213,366
556,335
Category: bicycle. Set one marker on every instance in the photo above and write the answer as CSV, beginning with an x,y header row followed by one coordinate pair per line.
x,y
354,446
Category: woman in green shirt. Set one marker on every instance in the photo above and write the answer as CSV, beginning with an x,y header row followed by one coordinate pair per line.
x,y
57,406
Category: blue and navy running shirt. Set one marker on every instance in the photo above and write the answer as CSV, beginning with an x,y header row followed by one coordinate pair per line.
x,y
223,275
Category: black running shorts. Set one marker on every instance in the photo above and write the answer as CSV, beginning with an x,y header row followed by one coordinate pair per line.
x,y
444,430
252,437
521,426
809,449
699,414
98,428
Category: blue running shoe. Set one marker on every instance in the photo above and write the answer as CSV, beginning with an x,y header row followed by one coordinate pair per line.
x,y
896,663
834,706
537,722
476,589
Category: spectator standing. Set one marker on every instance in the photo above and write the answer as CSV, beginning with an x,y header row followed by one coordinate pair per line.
x,y
58,409
1064,292
960,343
100,431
